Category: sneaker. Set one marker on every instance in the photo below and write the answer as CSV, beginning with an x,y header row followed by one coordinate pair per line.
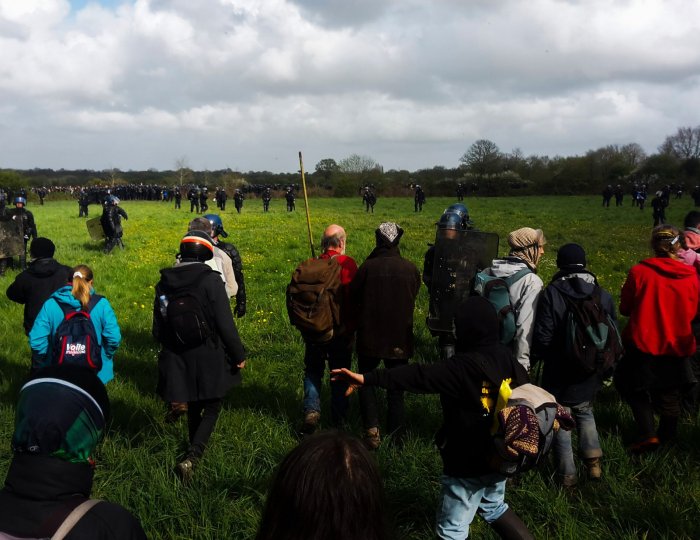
x,y
371,438
644,446
311,421
185,469
594,469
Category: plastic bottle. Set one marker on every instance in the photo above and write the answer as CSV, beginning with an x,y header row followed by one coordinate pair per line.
x,y
163,305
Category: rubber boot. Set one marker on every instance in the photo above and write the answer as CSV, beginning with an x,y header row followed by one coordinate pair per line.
x,y
511,527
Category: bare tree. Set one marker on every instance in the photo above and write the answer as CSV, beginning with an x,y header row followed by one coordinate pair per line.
x,y
183,170
356,163
685,144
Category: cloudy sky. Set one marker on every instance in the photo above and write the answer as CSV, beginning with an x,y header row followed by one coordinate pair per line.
x,y
246,84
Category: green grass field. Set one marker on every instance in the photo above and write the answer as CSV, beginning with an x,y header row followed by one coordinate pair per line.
x,y
655,497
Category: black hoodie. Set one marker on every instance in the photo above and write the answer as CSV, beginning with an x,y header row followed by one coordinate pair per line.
x,y
33,286
478,369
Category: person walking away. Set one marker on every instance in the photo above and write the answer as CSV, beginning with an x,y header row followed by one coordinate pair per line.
x,y
385,290
336,351
660,297
468,384
526,250
562,376
61,416
44,275
201,353
77,296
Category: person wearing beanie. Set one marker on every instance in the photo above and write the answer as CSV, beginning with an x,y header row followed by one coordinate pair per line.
x,y
468,384
44,275
199,374
385,290
61,416
526,248
76,295
561,376
660,297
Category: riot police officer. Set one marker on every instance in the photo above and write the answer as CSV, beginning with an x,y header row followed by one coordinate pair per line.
x,y
369,199
193,197
238,200
111,221
221,197
178,197
289,196
83,202
266,197
24,221
449,266
203,196
217,227
418,199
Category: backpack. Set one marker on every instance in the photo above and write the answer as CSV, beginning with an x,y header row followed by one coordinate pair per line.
x,y
184,315
517,449
75,340
497,291
313,299
592,341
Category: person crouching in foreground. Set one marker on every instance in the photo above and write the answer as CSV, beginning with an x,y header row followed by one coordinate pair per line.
x,y
468,384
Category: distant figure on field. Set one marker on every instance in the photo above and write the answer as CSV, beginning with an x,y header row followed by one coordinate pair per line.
x,y
418,199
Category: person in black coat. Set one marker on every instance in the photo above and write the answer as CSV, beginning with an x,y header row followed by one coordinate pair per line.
x,y
203,374
564,380
468,384
33,286
62,413
384,289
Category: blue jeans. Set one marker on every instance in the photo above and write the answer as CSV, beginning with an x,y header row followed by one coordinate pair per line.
x,y
588,443
338,354
462,498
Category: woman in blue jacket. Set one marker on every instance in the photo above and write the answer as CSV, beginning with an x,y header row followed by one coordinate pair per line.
x,y
77,295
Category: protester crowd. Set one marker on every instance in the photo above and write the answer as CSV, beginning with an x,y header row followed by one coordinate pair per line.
x,y
559,339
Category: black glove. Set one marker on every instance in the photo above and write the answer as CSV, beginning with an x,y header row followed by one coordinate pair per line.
x,y
239,310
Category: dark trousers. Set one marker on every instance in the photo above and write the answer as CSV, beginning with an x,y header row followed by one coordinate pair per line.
x,y
396,412
338,354
201,420
666,402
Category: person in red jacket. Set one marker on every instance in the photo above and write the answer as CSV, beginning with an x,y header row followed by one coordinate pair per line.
x,y
660,297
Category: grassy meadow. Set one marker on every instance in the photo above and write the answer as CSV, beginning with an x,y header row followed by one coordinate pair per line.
x,y
657,496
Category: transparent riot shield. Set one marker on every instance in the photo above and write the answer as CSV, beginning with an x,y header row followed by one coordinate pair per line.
x,y
458,256
11,241
94,227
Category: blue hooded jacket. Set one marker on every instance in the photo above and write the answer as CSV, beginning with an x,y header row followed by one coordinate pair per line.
x,y
103,318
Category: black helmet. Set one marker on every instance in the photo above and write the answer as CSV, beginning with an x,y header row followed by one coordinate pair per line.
x,y
196,245
451,221
217,226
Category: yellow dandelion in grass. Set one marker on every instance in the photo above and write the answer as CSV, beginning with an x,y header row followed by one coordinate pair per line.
x,y
142,306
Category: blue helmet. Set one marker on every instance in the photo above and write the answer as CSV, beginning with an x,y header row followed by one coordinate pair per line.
x,y
458,208
18,200
216,224
451,221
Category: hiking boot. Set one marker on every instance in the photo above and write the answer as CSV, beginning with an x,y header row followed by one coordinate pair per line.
x,y
371,438
185,469
644,446
593,467
568,480
311,421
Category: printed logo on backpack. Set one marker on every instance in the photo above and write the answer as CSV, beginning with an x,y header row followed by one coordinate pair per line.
x,y
75,340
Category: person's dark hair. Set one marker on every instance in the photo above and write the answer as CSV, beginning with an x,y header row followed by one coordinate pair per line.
x,y
328,487
692,219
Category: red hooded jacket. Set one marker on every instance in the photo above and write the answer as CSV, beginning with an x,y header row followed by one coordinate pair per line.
x,y
660,297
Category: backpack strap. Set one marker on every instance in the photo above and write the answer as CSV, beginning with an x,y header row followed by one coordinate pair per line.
x,y
73,518
515,277
67,308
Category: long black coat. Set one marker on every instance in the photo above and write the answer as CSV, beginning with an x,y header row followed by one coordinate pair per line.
x,y
209,370
385,289
34,286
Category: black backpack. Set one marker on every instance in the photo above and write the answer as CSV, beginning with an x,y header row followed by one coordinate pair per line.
x,y
592,341
75,340
187,320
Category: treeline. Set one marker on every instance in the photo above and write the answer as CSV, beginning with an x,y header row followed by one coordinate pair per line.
x,y
482,169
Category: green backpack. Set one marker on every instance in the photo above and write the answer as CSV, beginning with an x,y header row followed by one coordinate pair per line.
x,y
497,291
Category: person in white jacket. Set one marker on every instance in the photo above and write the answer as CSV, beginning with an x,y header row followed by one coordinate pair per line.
x,y
526,250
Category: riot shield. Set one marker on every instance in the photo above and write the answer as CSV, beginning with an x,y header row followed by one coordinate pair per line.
x,y
94,227
458,256
11,241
